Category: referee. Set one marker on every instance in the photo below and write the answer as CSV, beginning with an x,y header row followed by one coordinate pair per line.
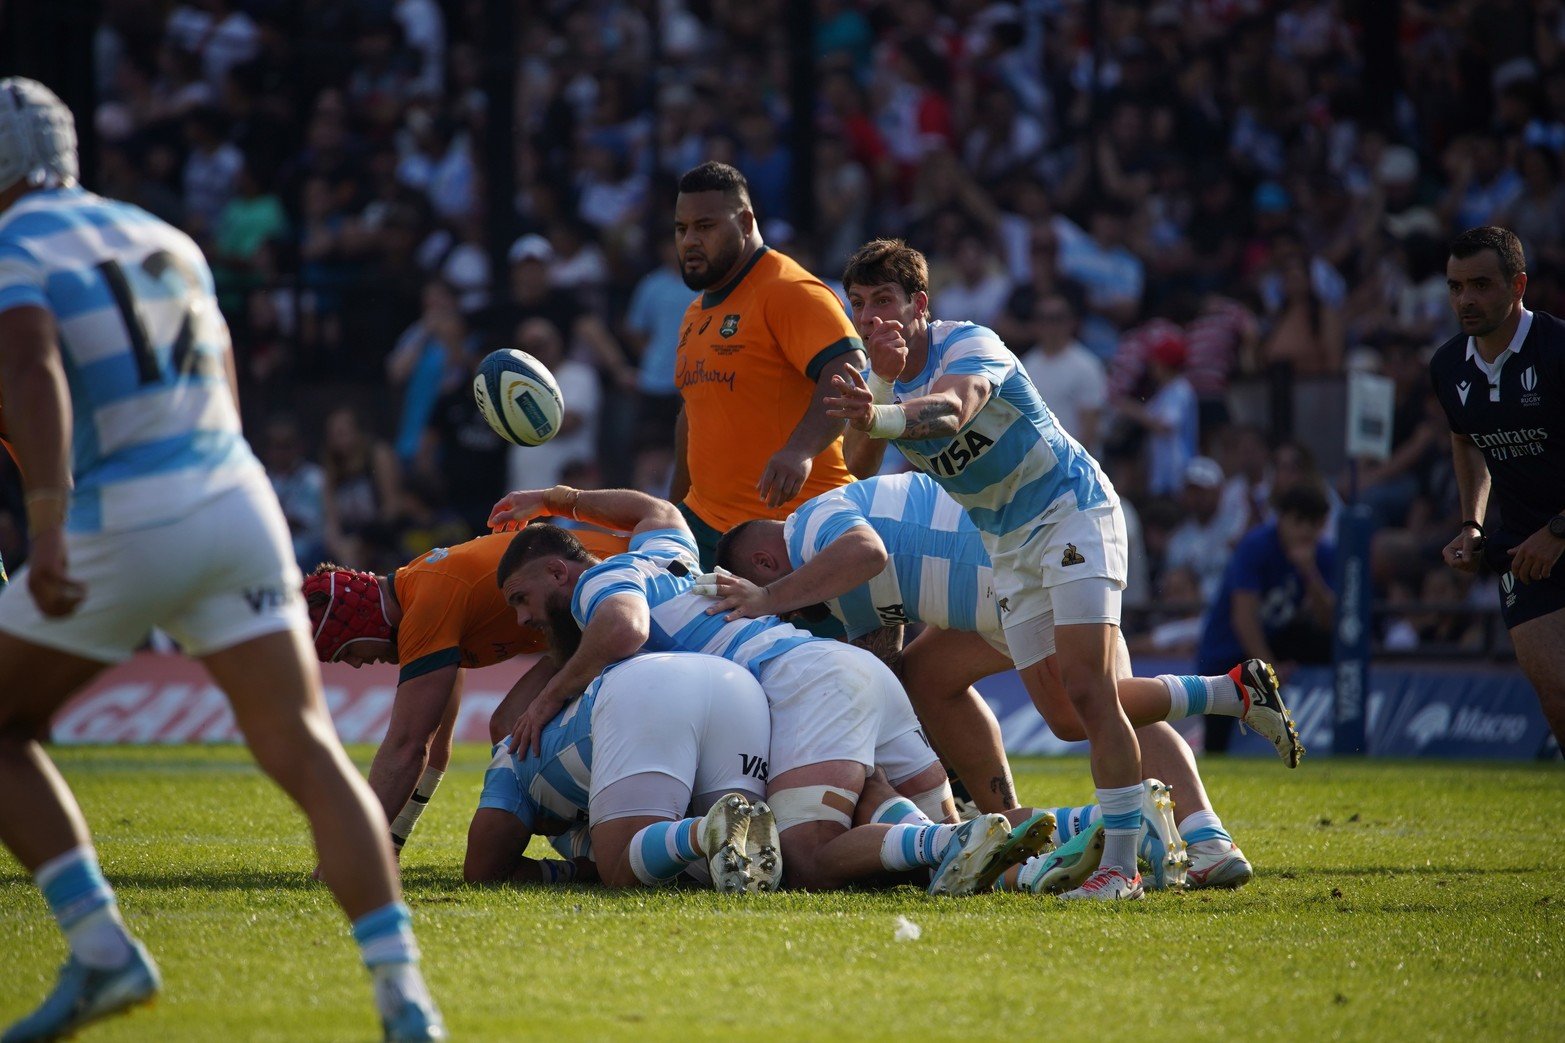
x,y
1502,384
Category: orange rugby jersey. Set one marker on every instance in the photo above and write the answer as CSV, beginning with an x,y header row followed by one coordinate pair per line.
x,y
750,352
453,613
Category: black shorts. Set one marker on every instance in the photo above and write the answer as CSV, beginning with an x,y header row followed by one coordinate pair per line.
x,y
1520,602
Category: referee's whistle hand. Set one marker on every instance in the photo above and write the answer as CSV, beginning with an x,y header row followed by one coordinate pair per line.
x,y
1462,553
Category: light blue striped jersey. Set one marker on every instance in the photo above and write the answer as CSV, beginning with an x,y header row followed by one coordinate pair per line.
x,y
938,572
660,569
1011,466
143,344
551,788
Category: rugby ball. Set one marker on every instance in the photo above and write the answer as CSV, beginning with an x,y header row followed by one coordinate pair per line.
x,y
518,397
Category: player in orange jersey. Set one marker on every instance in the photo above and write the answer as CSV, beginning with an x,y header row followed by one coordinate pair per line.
x,y
437,616
757,353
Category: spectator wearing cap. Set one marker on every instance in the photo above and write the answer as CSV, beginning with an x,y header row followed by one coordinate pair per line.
x,y
539,467
1169,414
534,294
1203,541
1071,377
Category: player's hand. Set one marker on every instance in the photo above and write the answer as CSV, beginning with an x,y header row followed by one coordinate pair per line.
x,y
527,736
48,579
1535,557
785,474
1462,553
706,583
887,348
521,507
852,402
741,599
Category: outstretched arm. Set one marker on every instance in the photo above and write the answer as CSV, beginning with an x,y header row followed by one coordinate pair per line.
x,y
624,510
789,468
952,402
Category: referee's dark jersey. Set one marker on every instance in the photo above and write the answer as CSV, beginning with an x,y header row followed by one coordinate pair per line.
x,y
1519,423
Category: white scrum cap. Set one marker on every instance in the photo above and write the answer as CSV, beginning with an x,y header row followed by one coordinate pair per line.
x,y
37,135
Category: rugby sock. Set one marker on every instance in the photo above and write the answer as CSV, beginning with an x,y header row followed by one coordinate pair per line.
x,y
1027,875
1203,825
1191,696
402,828
1121,826
899,811
385,938
557,871
908,847
661,851
1068,822
84,906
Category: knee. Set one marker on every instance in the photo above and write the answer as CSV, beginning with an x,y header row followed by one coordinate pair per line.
x,y
1065,726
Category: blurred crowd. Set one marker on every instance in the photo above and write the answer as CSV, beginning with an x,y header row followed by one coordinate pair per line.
x,y
1156,204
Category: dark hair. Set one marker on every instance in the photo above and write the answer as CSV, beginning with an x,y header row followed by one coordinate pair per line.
x,y
713,176
727,543
887,260
540,540
1305,500
1502,241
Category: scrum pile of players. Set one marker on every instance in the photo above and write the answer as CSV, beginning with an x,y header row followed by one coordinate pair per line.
x,y
679,726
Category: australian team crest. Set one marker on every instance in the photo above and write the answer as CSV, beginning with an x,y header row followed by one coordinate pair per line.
x,y
730,325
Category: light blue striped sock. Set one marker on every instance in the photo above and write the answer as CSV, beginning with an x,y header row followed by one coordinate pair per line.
x,y
1070,821
1121,807
1203,825
385,936
84,906
899,811
661,851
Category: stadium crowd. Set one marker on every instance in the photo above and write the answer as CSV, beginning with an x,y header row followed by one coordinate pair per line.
x,y
1178,214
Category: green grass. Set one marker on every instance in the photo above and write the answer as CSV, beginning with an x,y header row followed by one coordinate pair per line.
x,y
1393,901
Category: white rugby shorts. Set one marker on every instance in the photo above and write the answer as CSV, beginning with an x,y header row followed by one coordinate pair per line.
x,y
215,578
1070,571
835,702
696,724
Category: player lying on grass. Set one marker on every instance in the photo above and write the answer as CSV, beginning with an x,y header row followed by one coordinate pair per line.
x,y
897,548
438,616
836,711
663,752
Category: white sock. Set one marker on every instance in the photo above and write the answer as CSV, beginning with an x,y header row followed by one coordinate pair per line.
x,y
1121,808
396,984
1191,695
402,828
900,811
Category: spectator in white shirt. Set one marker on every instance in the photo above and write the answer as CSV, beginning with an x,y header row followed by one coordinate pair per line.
x,y
1203,541
1070,378
978,289
540,466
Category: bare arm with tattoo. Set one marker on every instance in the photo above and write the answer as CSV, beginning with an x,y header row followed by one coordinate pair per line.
x,y
953,401
886,644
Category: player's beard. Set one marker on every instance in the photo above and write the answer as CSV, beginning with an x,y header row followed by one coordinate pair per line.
x,y
718,265
564,634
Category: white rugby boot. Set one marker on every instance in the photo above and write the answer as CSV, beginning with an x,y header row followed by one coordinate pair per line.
x,y
763,848
1218,863
1161,846
723,831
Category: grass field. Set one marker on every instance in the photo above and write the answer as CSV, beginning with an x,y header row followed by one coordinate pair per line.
x,y
1393,901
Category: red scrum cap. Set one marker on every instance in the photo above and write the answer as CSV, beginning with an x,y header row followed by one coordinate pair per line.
x,y
345,606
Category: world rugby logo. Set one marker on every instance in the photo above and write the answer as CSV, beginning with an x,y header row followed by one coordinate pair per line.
x,y
1529,379
1508,582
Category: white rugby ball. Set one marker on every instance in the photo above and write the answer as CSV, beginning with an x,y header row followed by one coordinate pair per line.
x,y
518,397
